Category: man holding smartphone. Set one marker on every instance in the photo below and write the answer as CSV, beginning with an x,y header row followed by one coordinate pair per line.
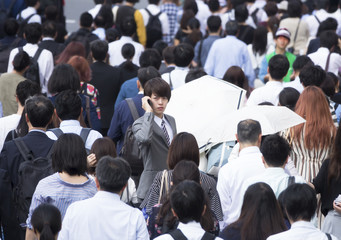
x,y
154,132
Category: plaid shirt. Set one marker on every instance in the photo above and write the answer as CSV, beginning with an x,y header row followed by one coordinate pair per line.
x,y
171,10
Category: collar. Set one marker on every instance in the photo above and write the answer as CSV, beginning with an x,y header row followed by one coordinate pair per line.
x,y
105,194
48,39
181,68
159,120
126,38
274,83
274,170
37,130
192,224
249,150
32,9
231,36
323,49
31,45
302,224
66,123
140,92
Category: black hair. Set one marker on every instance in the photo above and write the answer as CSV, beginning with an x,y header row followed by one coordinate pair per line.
x,y
213,23
112,173
68,105
26,89
278,67
213,5
193,23
49,29
271,9
99,21
146,73
51,13
168,54
99,1
188,201
288,97
248,131
11,27
47,221
133,1
69,155
301,61
160,45
194,73
128,51
157,86
328,85
312,75
150,57
128,26
260,40
112,34
190,5
39,111
33,32
63,77
275,150
294,8
21,60
299,202
241,13
328,39
86,20
99,49
183,54
156,2
31,3
232,28
328,24
107,15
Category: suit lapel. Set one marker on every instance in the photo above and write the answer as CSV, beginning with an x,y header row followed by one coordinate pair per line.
x,y
160,132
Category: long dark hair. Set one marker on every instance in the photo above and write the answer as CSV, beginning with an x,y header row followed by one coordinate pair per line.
x,y
260,40
334,168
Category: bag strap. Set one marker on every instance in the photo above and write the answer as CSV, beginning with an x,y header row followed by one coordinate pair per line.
x,y
37,54
291,180
84,88
327,63
164,176
177,235
318,20
87,109
29,17
170,80
254,16
57,131
328,236
133,109
200,50
298,26
208,236
150,14
13,134
25,152
84,134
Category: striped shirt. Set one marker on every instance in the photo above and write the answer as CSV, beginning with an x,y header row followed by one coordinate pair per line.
x,y
172,11
61,194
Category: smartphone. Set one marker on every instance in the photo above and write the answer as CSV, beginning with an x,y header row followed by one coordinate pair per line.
x,y
150,103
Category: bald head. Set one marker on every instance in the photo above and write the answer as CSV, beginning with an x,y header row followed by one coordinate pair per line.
x,y
248,132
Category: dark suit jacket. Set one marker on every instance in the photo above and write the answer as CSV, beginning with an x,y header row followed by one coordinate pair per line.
x,y
51,45
106,79
10,159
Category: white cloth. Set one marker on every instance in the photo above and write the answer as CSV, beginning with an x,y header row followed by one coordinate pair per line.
x,y
154,10
100,33
261,14
301,230
192,231
320,58
177,76
28,12
103,217
231,177
268,93
94,11
295,84
202,14
73,126
115,55
7,124
256,59
322,15
158,121
45,62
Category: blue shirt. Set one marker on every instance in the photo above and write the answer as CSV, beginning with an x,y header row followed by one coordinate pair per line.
x,y
128,90
228,52
206,46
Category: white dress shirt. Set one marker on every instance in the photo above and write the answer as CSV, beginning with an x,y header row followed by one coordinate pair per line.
x,y
167,125
28,12
322,15
177,76
231,178
295,84
95,10
154,10
6,125
73,126
202,14
301,230
320,58
45,62
268,93
100,33
115,55
103,217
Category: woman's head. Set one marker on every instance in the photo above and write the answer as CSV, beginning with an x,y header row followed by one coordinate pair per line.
x,y
260,40
102,147
185,170
183,146
236,76
82,67
46,221
63,77
69,155
128,51
74,48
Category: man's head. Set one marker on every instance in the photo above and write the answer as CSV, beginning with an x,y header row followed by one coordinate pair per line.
x,y
249,132
128,26
299,202
49,29
300,62
33,3
26,89
99,21
232,28
278,67
194,74
328,24
282,38
214,24
241,13
213,5
32,32
112,174
99,50
275,150
183,55
156,2
329,39
188,201
85,20
21,61
147,73
51,13
150,57
159,46
168,55
11,27
68,105
39,111
312,75
159,92
294,8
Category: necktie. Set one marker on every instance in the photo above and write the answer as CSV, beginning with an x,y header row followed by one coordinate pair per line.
x,y
165,131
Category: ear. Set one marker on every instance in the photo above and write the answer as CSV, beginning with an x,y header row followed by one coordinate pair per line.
x,y
138,84
174,214
268,70
237,137
97,184
286,161
260,139
26,117
203,210
263,160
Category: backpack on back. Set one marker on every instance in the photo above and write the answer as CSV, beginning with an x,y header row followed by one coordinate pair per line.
x,y
5,52
153,29
32,73
30,172
22,23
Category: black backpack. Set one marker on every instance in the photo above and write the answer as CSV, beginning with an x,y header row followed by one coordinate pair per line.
x,y
153,29
32,73
178,235
5,51
130,150
22,23
30,172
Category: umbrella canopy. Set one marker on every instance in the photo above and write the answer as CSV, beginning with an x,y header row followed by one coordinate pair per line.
x,y
272,119
199,103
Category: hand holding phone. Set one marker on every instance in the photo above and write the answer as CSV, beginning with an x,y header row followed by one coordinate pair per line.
x,y
147,104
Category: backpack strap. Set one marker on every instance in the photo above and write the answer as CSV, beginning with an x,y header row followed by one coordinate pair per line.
x,y
37,54
84,88
84,134
170,80
132,108
208,236
177,235
328,236
318,20
13,134
87,109
25,152
327,63
199,54
254,16
56,131
291,180
150,14
29,17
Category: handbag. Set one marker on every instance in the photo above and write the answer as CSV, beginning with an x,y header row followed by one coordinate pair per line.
x,y
164,185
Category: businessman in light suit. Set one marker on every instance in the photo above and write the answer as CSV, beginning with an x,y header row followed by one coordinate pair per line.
x,y
154,132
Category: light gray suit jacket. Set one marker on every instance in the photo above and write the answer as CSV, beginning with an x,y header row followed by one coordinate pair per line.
x,y
154,149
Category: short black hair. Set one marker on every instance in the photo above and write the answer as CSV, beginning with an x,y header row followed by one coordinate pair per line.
x,y
157,86
241,13
26,89
183,54
271,9
112,34
49,29
21,60
278,67
39,110
160,45
328,24
99,1
99,21
11,27
213,5
213,23
99,49
194,73
63,77
69,155
188,201
275,150
294,8
301,61
248,131
86,20
112,173
51,13
231,28
168,54
128,26
150,57
68,105
328,39
33,32
288,97
312,75
128,51
299,202
147,73
31,3
328,85
156,2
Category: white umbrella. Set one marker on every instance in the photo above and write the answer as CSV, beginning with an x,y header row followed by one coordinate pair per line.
x,y
271,118
198,103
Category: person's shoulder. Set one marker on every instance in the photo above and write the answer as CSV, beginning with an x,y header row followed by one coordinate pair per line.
x,y
95,134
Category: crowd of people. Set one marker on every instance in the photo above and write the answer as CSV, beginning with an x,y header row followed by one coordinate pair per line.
x,y
88,152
